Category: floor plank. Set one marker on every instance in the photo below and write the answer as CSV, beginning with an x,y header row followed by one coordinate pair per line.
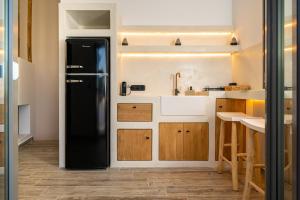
x,y
41,179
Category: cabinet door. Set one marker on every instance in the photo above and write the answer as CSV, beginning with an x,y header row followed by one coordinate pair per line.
x,y
134,145
170,141
195,141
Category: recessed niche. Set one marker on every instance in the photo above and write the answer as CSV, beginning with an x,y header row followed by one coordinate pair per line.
x,y
24,120
88,19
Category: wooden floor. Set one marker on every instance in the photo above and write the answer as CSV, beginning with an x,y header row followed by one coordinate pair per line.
x,y
40,178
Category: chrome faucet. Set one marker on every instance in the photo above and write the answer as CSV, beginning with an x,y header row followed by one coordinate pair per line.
x,y
176,92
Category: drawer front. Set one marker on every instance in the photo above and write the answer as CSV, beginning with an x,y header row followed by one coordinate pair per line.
x,y
222,105
131,112
134,145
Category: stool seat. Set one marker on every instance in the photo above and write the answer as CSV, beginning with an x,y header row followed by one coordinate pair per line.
x,y
259,124
231,116
256,124
288,119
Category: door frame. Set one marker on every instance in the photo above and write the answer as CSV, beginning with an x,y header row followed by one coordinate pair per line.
x,y
275,99
296,114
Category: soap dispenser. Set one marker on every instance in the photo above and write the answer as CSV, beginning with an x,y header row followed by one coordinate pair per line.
x,y
190,91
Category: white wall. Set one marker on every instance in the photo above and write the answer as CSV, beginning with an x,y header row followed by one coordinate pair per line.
x,y
45,59
158,73
247,65
26,91
176,12
173,12
248,21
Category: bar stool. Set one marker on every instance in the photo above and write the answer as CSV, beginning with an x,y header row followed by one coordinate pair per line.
x,y
234,118
255,125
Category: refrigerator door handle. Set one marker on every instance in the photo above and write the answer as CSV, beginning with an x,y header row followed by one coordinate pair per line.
x,y
74,67
74,81
88,74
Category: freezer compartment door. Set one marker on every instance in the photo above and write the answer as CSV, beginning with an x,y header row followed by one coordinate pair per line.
x,y
87,56
87,122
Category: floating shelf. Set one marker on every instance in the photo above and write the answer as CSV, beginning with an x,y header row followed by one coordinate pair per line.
x,y
180,49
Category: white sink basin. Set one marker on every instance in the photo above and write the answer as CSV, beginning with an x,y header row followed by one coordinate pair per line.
x,y
184,105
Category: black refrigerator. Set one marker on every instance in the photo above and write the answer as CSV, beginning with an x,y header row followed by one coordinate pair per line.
x,y
88,103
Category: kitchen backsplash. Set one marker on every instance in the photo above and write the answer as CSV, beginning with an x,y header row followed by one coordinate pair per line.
x,y
158,73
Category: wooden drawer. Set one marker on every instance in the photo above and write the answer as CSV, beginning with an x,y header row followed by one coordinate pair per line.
x,y
134,144
222,105
134,112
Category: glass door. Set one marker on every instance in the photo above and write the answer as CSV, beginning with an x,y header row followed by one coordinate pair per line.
x,y
2,106
282,164
290,103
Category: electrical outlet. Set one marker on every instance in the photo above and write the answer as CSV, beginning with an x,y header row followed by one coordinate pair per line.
x,y
137,87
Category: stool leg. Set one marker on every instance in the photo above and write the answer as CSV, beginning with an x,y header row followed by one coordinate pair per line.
x,y
259,178
221,147
240,147
289,154
234,160
250,163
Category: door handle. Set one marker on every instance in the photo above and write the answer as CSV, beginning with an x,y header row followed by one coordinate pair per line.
x,y
74,81
147,137
179,131
188,131
74,67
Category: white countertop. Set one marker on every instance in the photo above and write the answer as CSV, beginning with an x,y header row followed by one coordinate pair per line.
x,y
249,94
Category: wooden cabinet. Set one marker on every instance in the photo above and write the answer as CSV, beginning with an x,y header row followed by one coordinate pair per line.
x,y
183,141
171,141
134,112
134,144
228,105
195,141
1,149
